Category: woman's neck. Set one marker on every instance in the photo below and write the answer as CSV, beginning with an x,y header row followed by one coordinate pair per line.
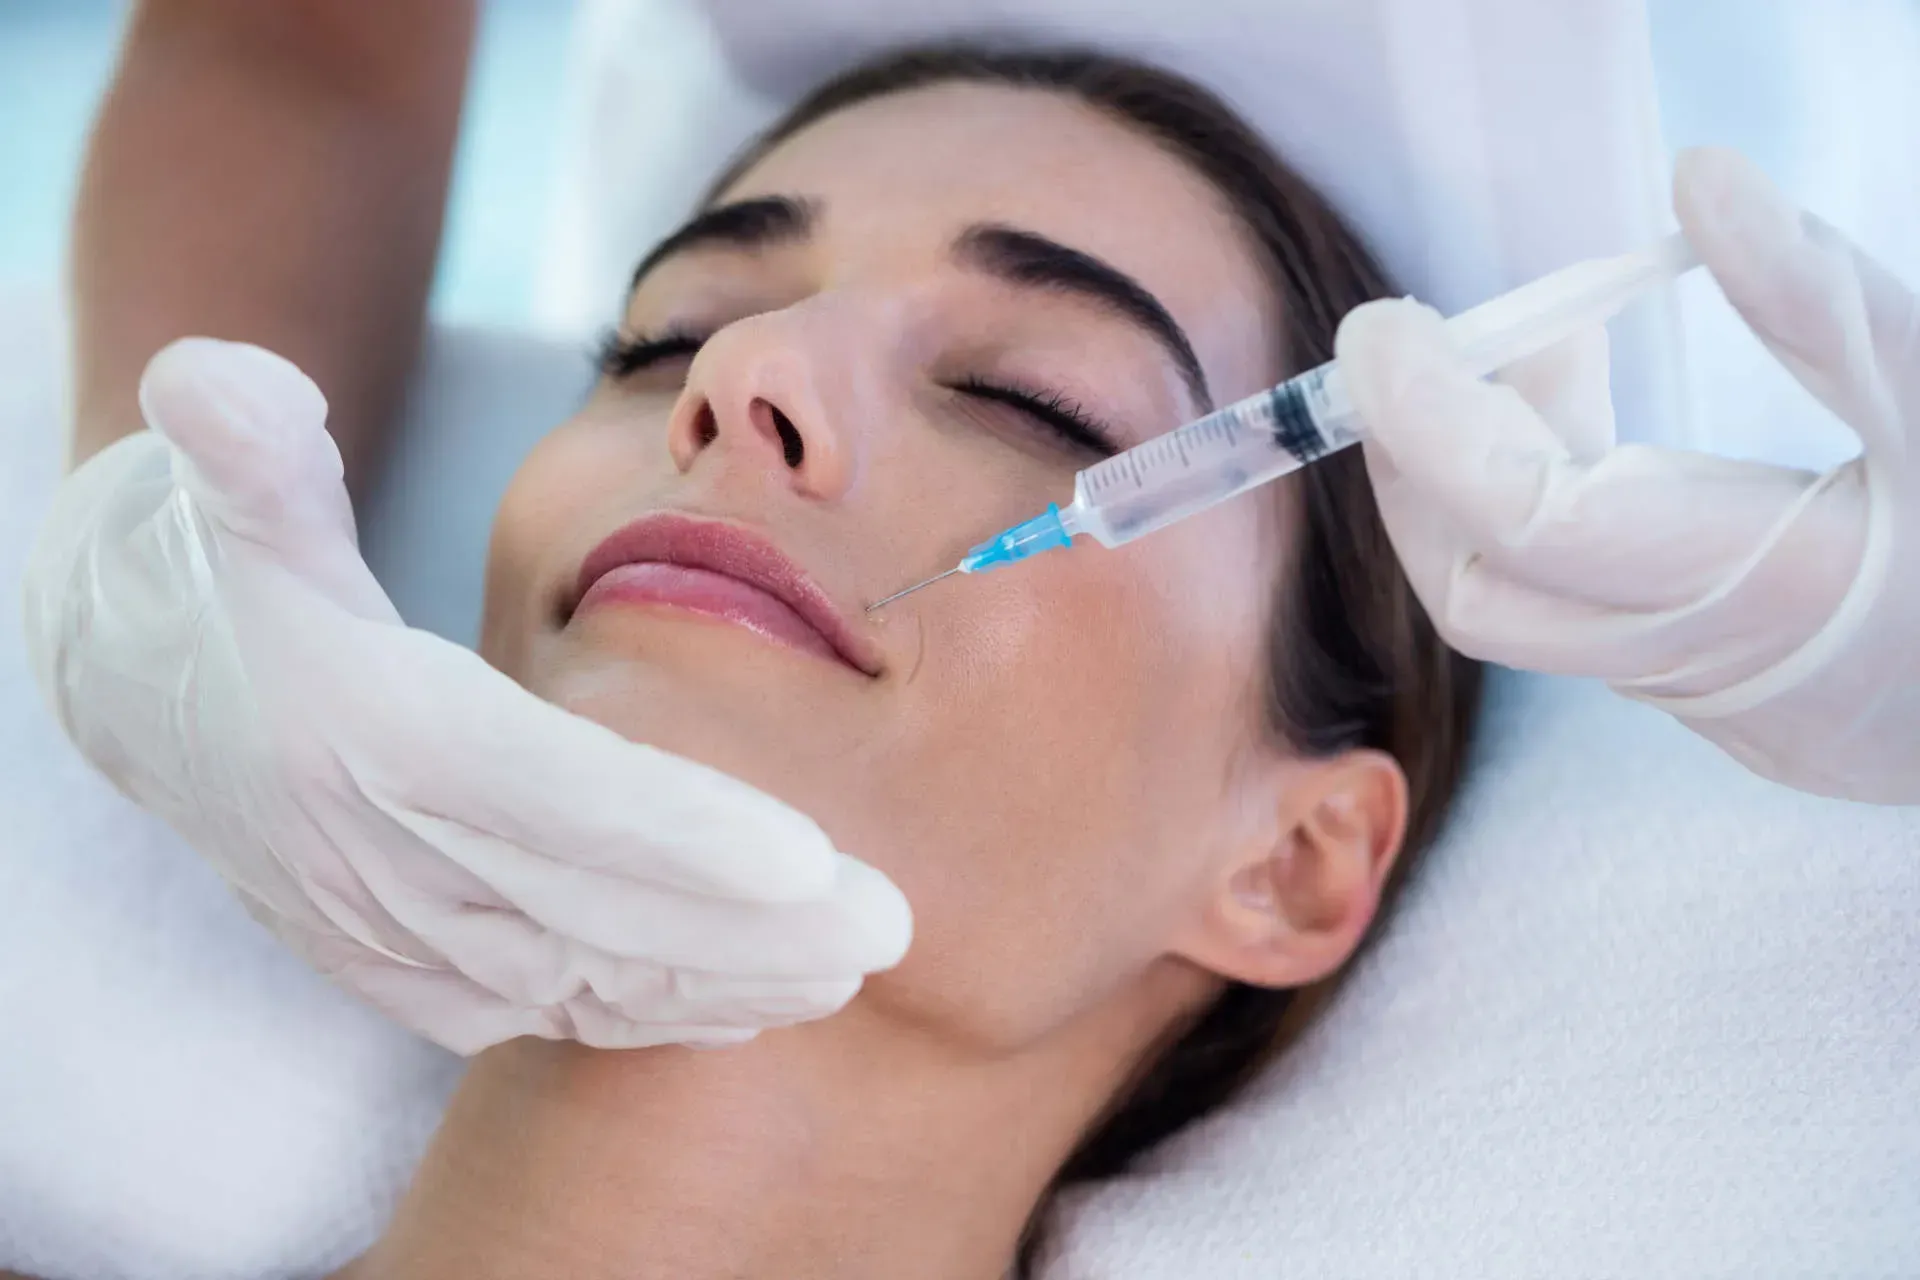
x,y
843,1149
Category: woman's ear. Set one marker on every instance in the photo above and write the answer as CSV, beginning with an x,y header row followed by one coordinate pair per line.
x,y
1294,904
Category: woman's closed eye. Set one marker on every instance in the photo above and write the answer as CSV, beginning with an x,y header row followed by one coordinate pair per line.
x,y
1061,414
622,357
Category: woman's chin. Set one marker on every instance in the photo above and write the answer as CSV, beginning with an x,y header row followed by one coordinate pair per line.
x,y
742,710
650,678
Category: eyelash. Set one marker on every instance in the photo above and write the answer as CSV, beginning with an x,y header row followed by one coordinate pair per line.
x,y
1060,413
620,356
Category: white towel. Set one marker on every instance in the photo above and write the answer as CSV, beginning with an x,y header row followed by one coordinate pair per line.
x,y
1642,1016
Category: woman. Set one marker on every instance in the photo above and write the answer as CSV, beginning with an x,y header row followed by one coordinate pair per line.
x,y
1135,797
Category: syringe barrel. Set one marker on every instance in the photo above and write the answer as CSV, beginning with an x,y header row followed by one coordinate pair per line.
x,y
1231,450
1268,435
1533,317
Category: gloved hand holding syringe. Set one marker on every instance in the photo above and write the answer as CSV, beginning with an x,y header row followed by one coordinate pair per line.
x,y
1276,432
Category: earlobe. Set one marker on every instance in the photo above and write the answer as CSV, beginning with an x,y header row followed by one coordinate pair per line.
x,y
1295,906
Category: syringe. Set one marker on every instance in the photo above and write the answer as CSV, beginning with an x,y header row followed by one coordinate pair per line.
x,y
1275,433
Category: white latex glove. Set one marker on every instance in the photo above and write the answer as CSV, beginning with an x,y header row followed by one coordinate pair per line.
x,y
1773,611
475,861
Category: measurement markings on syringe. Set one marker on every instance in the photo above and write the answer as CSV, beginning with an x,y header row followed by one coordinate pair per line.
x,y
1177,451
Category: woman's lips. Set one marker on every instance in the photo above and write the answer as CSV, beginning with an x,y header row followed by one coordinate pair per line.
x,y
723,572
714,594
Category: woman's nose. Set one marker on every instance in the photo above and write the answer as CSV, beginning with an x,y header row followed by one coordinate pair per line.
x,y
767,393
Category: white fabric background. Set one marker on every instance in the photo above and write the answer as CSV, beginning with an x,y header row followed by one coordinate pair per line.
x,y
1642,1016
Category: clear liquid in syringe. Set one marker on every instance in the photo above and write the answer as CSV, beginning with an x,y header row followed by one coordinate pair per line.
x,y
1242,446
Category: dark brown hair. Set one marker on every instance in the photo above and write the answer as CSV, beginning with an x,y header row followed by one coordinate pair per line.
x,y
1354,661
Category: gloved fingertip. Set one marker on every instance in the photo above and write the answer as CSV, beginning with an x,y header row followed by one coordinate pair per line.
x,y
1390,351
1730,210
877,904
208,396
1403,329
1791,277
1400,319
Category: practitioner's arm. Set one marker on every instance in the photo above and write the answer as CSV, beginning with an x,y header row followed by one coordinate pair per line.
x,y
275,173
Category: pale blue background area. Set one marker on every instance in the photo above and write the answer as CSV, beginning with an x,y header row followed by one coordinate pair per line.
x,y
56,55
1718,68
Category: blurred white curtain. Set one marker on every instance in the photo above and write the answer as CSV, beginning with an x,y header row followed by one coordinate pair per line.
x,y
1826,97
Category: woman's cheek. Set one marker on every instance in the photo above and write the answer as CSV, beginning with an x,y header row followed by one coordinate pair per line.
x,y
984,633
1086,609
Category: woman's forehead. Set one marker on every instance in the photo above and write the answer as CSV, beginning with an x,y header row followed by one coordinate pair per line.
x,y
903,175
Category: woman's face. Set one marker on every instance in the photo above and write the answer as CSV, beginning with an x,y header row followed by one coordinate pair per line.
x,y
915,320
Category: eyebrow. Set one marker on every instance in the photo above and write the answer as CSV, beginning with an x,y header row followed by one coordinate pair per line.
x,y
1032,261
760,223
1024,259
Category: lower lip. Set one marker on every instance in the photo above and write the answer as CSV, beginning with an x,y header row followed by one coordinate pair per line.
x,y
712,594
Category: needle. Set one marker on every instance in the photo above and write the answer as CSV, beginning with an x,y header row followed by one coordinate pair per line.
x,y
915,587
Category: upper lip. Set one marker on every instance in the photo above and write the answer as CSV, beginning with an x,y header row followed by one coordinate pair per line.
x,y
738,553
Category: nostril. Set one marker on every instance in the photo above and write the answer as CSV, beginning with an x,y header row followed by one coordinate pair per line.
x,y
791,445
705,429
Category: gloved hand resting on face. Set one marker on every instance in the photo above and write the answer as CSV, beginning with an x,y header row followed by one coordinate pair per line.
x,y
477,862
1773,611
